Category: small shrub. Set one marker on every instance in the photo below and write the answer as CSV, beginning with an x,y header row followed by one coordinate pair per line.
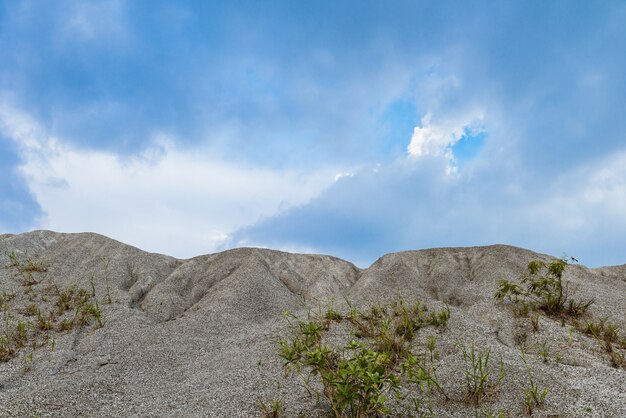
x,y
543,286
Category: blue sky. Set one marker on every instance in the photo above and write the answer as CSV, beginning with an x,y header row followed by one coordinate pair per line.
x,y
353,128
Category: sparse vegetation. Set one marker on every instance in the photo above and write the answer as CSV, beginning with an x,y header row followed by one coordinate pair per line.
x,y
359,375
271,409
534,396
478,380
544,352
542,287
607,335
50,309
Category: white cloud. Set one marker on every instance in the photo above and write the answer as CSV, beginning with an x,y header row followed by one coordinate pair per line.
x,y
339,176
436,138
403,205
166,200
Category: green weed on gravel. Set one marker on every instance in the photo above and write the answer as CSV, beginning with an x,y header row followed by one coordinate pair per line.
x,y
543,287
534,396
478,380
48,308
360,375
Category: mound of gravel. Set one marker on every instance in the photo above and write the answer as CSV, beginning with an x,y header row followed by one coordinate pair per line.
x,y
198,337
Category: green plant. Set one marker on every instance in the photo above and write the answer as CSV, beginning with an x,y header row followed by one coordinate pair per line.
x,y
273,409
25,268
543,286
534,396
486,413
601,330
28,265
32,310
20,336
617,359
422,373
358,376
431,346
66,325
27,362
5,298
534,321
88,311
607,334
441,318
544,352
44,323
54,309
478,382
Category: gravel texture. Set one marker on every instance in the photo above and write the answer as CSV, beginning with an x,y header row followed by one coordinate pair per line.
x,y
198,337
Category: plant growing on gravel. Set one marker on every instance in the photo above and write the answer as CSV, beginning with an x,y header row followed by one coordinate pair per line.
x,y
25,268
479,383
486,413
534,396
601,329
607,334
272,409
39,310
543,287
544,352
358,373
28,265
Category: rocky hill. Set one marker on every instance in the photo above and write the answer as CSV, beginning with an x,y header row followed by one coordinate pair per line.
x,y
94,327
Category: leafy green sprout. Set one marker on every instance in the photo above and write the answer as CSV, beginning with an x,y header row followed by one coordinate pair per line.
x,y
543,286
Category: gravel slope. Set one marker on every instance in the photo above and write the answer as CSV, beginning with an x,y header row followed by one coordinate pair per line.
x,y
198,337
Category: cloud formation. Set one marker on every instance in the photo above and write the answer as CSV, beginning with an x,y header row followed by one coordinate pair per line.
x,y
417,204
163,199
354,129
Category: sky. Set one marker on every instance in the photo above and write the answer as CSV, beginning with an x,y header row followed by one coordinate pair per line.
x,y
352,128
